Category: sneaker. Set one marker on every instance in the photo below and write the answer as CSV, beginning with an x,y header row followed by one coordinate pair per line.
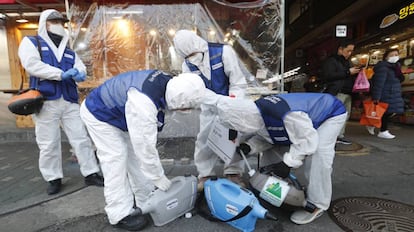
x,y
94,179
54,186
371,130
132,223
343,141
385,135
301,217
236,178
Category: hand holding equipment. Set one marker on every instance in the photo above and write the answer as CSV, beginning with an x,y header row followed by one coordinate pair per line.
x,y
81,76
69,73
279,169
244,147
162,183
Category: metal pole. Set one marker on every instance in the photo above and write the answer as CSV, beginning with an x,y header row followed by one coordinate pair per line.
x,y
69,23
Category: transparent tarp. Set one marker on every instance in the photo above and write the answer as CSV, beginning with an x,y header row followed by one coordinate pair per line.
x,y
115,38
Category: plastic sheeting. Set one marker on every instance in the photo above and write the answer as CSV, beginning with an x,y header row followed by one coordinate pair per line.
x,y
112,39
116,38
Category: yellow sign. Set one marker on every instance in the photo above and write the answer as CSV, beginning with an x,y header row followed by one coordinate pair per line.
x,y
407,10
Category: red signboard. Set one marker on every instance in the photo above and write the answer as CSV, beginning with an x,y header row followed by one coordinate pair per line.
x,y
7,2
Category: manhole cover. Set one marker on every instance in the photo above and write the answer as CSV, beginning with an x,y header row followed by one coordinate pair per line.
x,y
372,214
348,147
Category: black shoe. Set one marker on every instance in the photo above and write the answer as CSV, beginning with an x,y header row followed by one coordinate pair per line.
x,y
54,186
132,223
94,179
343,141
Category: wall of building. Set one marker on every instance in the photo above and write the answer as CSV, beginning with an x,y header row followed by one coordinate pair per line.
x,y
5,80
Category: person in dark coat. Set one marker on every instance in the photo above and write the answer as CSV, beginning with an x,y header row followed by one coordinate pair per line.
x,y
386,87
339,77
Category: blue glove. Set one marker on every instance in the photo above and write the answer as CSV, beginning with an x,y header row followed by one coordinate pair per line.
x,y
69,73
81,76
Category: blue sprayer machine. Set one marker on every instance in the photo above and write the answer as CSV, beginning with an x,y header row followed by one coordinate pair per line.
x,y
234,205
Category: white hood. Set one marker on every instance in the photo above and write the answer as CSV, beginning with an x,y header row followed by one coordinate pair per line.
x,y
42,32
239,114
187,42
184,91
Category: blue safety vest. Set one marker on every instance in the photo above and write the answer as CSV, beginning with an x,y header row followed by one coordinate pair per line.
x,y
52,89
107,102
219,82
274,108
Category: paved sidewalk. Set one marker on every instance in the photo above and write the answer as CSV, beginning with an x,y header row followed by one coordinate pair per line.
x,y
382,168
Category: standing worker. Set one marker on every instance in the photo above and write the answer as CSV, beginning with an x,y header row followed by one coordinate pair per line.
x,y
307,122
54,72
219,67
123,116
339,77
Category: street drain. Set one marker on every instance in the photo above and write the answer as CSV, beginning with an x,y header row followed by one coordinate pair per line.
x,y
372,214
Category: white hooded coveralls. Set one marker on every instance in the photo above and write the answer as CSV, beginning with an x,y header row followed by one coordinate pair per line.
x,y
121,154
56,112
187,42
130,159
315,146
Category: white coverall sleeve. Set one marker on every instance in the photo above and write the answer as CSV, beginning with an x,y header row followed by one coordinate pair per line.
x,y
141,117
32,63
258,144
303,136
232,69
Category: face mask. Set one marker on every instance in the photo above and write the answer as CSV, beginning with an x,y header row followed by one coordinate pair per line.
x,y
196,59
393,59
57,29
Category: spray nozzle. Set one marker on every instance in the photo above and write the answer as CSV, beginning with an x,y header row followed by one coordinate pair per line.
x,y
251,172
270,216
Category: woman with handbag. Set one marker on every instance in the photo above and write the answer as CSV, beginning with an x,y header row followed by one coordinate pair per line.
x,y
386,87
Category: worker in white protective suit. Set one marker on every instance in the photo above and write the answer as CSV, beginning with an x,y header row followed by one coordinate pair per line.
x,y
308,122
54,70
219,67
123,116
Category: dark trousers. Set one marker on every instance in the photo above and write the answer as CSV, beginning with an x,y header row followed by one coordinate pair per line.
x,y
385,120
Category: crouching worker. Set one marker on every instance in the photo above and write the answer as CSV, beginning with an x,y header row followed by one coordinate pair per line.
x,y
123,116
308,122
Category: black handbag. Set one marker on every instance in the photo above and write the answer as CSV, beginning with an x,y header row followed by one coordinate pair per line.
x,y
27,101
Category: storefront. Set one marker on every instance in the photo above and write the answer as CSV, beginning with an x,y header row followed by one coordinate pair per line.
x,y
393,30
113,37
